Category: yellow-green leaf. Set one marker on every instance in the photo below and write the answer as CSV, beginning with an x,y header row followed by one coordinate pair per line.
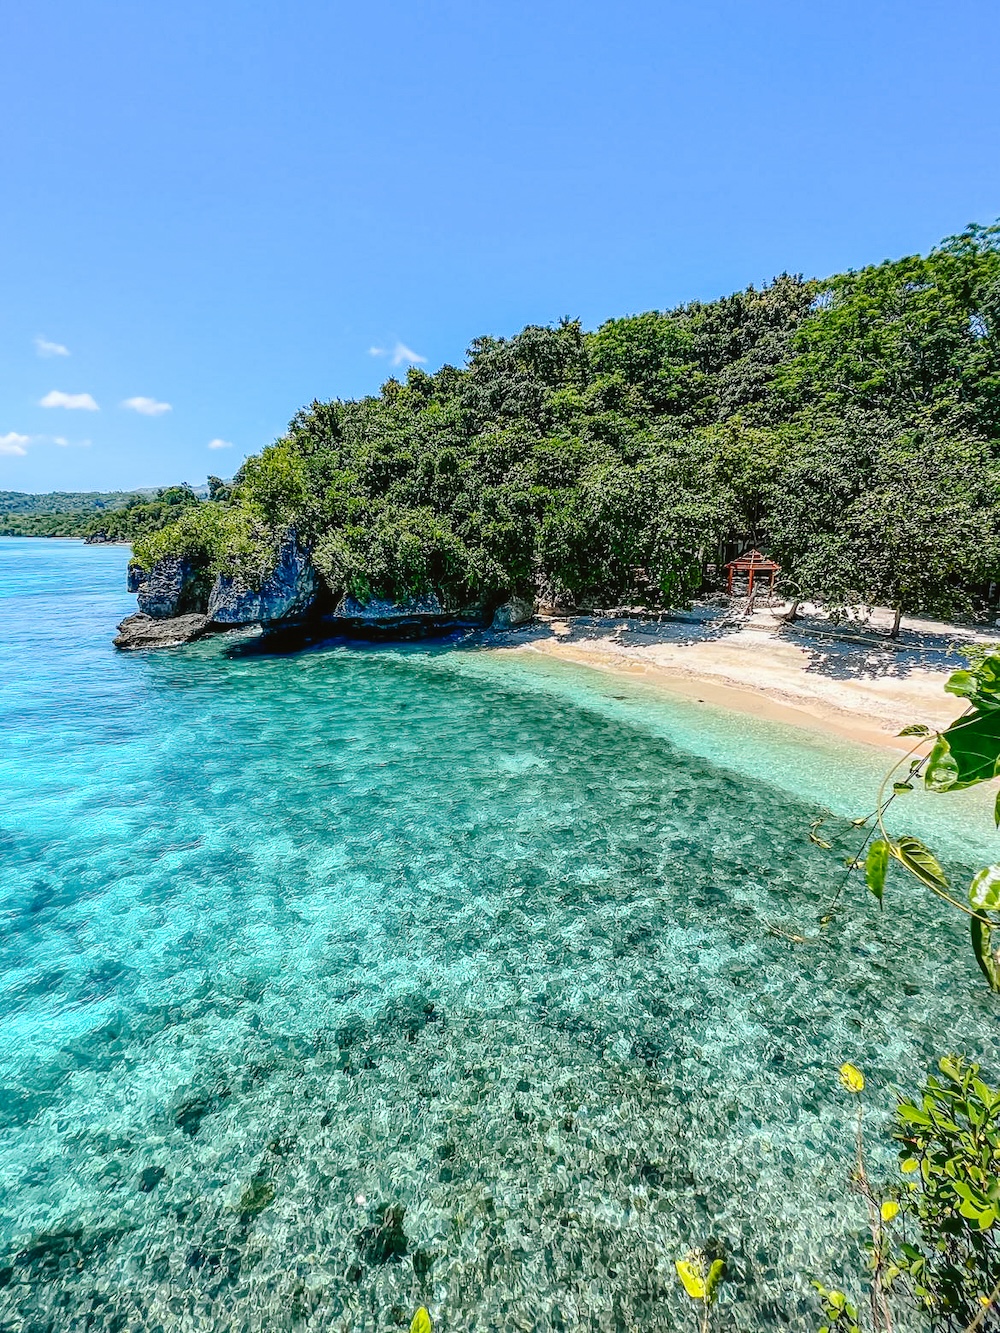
x,y
920,861
421,1322
694,1283
852,1079
984,891
714,1278
889,1210
876,865
911,1164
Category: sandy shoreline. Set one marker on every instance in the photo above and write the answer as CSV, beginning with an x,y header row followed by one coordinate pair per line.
x,y
844,680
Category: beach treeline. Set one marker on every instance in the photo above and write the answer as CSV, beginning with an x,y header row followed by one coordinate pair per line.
x,y
848,426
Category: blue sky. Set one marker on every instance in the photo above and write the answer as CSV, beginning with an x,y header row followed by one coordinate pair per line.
x,y
225,207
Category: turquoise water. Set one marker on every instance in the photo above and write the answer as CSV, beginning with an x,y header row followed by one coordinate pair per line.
x,y
341,982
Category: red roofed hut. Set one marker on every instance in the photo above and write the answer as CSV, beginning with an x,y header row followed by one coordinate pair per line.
x,y
752,564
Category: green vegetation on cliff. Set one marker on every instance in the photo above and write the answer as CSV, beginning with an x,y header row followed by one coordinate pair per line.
x,y
850,426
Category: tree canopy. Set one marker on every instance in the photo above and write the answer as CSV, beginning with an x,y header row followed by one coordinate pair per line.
x,y
850,426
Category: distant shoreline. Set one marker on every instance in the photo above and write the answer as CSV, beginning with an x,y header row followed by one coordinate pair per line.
x,y
54,537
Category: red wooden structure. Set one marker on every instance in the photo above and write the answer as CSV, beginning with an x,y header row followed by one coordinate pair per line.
x,y
751,563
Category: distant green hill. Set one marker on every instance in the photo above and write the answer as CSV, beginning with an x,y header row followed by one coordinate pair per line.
x,y
100,516
69,502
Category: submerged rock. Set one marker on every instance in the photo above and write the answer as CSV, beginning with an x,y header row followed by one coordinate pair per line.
x,y
145,631
256,1197
286,593
385,1241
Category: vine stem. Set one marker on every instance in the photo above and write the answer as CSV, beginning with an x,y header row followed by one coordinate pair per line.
x,y
881,806
990,1301
881,1314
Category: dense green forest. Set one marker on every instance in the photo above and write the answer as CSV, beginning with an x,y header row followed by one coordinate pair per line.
x,y
849,426
111,516
66,502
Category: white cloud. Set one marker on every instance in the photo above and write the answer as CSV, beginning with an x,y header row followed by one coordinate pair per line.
x,y
13,444
147,407
220,444
46,348
400,355
63,443
57,398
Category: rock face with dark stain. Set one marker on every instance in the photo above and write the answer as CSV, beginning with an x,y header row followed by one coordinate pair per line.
x,y
173,587
142,631
285,594
380,618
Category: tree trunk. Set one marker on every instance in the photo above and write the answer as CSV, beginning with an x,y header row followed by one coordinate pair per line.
x,y
894,632
793,611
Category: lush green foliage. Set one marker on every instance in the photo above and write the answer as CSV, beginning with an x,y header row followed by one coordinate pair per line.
x,y
964,754
933,1235
848,426
139,519
949,1140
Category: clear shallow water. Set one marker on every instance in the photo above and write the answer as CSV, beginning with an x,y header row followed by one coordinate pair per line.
x,y
289,942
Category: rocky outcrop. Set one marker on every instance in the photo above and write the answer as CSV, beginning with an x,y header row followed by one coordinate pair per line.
x,y
144,631
518,611
173,587
414,618
285,594
379,608
134,578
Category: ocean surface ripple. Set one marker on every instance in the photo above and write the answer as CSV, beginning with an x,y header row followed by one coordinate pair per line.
x,y
340,982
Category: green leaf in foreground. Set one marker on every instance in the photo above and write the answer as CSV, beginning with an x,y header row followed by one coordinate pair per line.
x,y
967,753
980,684
963,683
996,811
876,865
981,940
915,729
984,891
715,1275
920,861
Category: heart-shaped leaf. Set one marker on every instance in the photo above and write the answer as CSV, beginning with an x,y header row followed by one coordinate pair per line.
x,y
694,1283
966,753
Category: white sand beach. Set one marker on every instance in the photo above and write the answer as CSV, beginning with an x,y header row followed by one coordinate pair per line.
x,y
850,679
